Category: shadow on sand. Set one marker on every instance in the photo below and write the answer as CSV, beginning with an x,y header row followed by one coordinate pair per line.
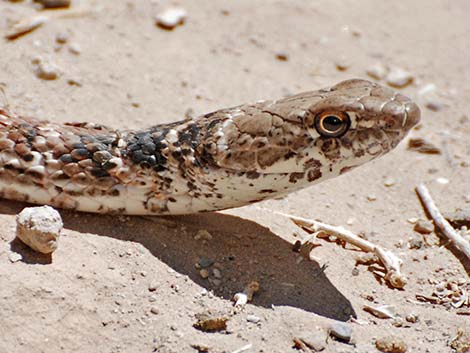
x,y
244,250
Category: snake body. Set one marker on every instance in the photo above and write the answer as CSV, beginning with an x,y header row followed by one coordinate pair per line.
x,y
227,158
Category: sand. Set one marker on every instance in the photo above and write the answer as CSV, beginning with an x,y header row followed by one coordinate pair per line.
x,y
134,284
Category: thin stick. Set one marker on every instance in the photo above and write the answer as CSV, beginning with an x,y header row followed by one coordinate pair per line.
x,y
390,261
447,230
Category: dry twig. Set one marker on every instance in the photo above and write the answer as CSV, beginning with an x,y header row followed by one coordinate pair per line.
x,y
447,230
390,261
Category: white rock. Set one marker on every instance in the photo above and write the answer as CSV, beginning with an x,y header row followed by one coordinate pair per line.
x,y
399,78
75,48
46,70
377,71
171,17
253,319
442,181
15,257
39,228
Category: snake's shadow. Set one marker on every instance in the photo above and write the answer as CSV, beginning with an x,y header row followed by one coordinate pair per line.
x,y
243,250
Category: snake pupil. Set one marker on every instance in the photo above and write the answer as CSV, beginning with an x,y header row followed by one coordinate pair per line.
x,y
332,123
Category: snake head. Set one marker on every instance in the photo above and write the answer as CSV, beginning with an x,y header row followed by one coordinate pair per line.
x,y
313,134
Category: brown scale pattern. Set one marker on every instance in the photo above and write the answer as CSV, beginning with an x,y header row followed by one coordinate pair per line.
x,y
229,151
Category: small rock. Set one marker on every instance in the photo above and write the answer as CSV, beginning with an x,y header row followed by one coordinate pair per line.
x,y
377,71
413,318
204,273
442,181
399,78
75,48
389,182
74,81
371,197
61,38
46,70
381,311
49,4
201,348
424,226
15,257
209,321
434,104
170,18
253,319
342,64
421,145
154,310
39,228
216,272
152,287
415,243
203,234
391,344
341,331
25,26
315,340
282,56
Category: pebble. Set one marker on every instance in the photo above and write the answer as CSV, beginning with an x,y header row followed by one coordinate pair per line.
x,y
377,71
39,228
46,70
422,145
399,78
152,286
253,319
371,197
25,26
442,181
216,272
15,257
75,48
434,104
154,310
389,182
341,331
381,311
61,38
203,234
282,56
415,243
204,273
342,64
75,81
424,226
413,318
49,4
313,340
171,17
200,348
209,321
391,344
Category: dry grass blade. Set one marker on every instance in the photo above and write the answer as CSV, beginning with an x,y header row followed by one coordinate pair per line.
x,y
389,260
447,230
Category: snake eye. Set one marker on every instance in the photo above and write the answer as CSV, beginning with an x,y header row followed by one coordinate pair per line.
x,y
330,124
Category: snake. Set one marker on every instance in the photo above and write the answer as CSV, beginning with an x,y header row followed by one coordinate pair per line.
x,y
224,159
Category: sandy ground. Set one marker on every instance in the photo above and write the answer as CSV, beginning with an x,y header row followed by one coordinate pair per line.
x,y
130,284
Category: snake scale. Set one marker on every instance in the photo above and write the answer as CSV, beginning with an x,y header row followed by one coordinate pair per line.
x,y
224,159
